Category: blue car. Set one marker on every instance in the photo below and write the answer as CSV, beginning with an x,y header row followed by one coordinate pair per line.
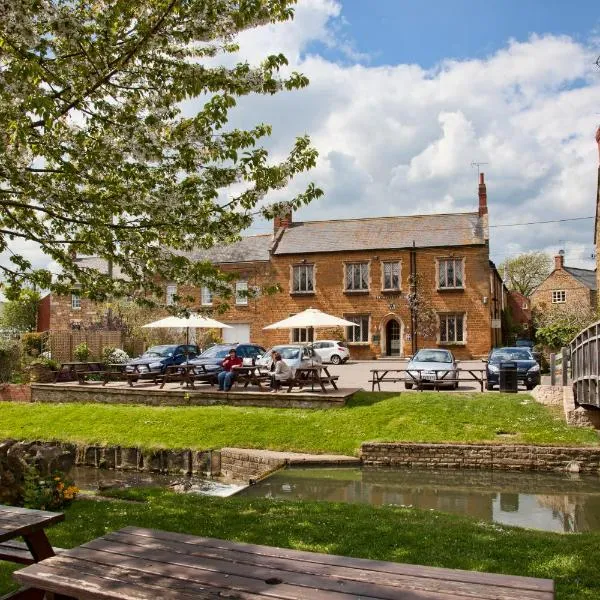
x,y
157,358
528,369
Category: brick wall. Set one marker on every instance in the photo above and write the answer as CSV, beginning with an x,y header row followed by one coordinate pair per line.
x,y
482,456
12,392
577,295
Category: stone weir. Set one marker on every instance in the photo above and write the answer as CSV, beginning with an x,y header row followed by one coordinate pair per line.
x,y
175,395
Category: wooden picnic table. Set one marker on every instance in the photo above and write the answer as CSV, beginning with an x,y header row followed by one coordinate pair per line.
x,y
71,371
187,373
29,524
136,563
312,375
114,371
251,374
379,376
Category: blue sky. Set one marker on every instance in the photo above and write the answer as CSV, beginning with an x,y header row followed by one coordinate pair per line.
x,y
427,32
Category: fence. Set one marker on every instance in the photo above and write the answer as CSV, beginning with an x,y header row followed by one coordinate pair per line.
x,y
585,366
560,367
62,343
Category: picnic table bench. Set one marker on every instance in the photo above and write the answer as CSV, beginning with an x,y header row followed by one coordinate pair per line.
x,y
71,371
187,373
312,375
136,563
379,376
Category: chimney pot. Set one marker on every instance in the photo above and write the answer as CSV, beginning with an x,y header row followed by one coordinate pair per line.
x,y
559,261
483,209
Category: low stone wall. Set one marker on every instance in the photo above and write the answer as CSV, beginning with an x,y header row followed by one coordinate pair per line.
x,y
15,392
558,395
482,456
154,396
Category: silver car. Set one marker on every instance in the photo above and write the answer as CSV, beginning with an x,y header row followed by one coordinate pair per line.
x,y
294,355
431,366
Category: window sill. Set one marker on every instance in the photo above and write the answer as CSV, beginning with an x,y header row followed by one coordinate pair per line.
x,y
302,293
452,343
451,289
241,305
357,292
358,343
391,291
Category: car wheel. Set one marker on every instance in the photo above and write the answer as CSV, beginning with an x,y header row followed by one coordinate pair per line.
x,y
335,359
408,386
489,387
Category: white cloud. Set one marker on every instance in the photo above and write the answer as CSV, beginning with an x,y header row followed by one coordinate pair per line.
x,y
400,139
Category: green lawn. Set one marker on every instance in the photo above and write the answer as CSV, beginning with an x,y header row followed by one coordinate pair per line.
x,y
384,533
416,417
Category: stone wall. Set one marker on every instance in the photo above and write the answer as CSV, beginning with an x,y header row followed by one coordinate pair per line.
x,y
63,393
12,392
250,466
482,456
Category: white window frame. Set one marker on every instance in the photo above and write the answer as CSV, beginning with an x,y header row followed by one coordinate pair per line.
x,y
302,335
559,296
363,276
206,296
75,301
241,286
358,335
309,278
443,328
397,264
442,271
171,291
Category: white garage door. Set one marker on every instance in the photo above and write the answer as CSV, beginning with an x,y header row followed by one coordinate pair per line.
x,y
239,332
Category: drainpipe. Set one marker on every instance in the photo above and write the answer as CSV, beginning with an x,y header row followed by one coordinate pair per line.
x,y
413,290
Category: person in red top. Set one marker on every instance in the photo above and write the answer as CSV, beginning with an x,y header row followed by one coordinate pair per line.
x,y
227,375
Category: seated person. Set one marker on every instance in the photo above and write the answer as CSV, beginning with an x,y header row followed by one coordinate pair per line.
x,y
281,372
227,375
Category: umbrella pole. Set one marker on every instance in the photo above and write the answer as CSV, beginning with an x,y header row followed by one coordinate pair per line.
x,y
187,344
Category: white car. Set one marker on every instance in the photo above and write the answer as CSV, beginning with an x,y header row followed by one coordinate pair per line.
x,y
294,355
332,351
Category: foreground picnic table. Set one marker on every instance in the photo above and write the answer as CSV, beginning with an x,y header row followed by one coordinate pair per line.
x,y
29,524
251,374
71,371
312,375
439,379
135,563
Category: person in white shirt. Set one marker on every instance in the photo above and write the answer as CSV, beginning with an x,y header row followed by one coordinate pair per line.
x,y
282,372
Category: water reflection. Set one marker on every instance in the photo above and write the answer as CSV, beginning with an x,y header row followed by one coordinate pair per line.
x,y
552,502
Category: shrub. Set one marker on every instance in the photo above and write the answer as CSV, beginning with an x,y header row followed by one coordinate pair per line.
x,y
45,362
52,492
82,352
111,355
10,359
32,343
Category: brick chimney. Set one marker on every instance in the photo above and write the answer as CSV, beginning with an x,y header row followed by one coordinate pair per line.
x,y
559,262
483,209
283,220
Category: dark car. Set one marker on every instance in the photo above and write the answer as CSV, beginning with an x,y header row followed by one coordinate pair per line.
x,y
528,370
212,357
157,358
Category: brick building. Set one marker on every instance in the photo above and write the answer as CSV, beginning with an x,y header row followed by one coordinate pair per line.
x,y
566,287
520,311
359,269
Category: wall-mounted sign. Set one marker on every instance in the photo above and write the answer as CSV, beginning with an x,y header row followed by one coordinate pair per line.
x,y
496,324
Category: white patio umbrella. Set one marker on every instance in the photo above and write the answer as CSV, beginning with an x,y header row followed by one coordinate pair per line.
x,y
311,318
191,322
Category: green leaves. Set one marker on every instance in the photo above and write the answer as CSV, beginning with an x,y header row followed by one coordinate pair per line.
x,y
96,157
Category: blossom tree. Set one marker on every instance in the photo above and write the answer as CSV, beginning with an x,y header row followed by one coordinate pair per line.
x,y
97,157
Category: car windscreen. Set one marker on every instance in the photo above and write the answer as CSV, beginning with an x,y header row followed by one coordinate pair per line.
x,y
289,353
432,356
511,354
215,352
161,351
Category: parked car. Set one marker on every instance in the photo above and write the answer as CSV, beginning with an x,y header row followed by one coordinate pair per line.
x,y
431,364
295,355
528,369
332,351
157,358
212,357
524,343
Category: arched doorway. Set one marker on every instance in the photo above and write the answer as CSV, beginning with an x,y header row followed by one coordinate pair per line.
x,y
393,338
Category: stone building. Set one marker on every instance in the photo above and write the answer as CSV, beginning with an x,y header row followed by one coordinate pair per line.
x,y
567,287
361,269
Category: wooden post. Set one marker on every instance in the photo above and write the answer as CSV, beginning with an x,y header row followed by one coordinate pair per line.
x,y
565,366
553,369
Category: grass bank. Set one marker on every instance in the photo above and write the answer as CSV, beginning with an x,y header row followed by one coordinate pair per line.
x,y
412,417
383,533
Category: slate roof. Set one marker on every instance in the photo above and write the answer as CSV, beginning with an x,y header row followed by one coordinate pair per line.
x,y
99,264
585,276
380,233
253,248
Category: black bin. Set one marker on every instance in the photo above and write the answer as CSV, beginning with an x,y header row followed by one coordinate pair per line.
x,y
509,381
